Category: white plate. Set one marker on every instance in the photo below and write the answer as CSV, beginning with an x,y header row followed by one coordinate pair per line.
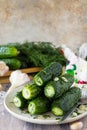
x,y
25,116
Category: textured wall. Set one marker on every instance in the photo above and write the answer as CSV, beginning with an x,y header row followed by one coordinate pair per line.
x,y
59,21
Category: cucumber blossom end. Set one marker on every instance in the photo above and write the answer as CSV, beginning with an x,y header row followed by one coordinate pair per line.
x,y
57,111
49,91
17,102
38,81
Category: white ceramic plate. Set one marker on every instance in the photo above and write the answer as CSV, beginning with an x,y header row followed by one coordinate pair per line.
x,y
47,118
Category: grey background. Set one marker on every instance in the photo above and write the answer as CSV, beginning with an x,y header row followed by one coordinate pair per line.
x,y
58,21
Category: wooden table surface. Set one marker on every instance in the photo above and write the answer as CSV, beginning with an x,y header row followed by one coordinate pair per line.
x,y
9,122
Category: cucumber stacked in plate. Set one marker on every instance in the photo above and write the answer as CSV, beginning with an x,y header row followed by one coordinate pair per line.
x,y
48,91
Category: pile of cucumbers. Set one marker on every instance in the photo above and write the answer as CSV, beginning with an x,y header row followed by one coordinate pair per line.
x,y
9,54
48,91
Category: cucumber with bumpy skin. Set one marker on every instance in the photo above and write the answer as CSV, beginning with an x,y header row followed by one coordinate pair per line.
x,y
39,105
13,63
54,69
8,52
19,101
55,89
30,91
66,101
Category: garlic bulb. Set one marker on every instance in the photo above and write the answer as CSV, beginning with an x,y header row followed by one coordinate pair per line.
x,y
3,68
18,78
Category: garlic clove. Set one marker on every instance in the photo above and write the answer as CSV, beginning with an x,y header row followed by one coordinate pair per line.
x,y
76,126
3,68
1,87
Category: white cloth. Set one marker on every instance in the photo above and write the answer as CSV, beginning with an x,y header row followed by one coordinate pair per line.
x,y
78,68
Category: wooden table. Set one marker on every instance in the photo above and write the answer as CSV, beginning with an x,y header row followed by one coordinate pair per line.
x,y
8,122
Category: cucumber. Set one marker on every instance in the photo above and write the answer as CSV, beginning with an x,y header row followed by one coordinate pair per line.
x,y
39,105
66,101
19,101
13,63
54,69
30,91
55,89
8,52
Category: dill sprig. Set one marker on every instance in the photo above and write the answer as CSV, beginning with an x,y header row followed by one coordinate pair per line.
x,y
39,54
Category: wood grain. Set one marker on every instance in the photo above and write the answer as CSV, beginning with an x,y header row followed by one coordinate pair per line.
x,y
27,70
5,78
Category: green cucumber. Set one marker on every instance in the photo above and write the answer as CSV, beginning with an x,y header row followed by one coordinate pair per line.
x,y
30,91
8,52
54,69
13,63
55,89
39,105
66,101
19,101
